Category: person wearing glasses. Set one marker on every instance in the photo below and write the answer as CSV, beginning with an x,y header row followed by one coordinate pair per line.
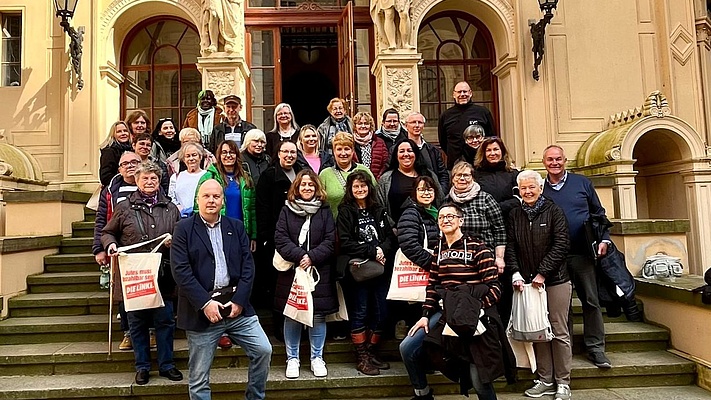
x,y
311,156
285,129
272,189
334,177
473,136
165,140
432,156
142,145
391,130
117,142
458,260
255,159
337,121
370,150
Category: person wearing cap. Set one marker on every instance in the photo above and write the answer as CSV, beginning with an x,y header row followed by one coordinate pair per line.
x,y
205,116
232,127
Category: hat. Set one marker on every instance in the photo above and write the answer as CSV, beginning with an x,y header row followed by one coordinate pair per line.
x,y
232,99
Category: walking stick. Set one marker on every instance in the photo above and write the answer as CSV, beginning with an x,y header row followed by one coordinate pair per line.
x,y
111,301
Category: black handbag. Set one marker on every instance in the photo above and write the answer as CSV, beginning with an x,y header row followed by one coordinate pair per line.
x,y
364,269
223,296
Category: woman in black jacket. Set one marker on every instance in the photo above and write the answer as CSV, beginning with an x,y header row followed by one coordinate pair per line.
x,y
117,142
495,173
535,254
306,236
364,232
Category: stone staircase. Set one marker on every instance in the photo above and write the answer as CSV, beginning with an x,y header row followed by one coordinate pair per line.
x,y
54,345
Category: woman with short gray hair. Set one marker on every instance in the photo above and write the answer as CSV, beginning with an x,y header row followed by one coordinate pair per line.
x,y
184,184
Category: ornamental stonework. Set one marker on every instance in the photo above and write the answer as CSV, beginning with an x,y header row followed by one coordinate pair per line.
x,y
399,84
220,82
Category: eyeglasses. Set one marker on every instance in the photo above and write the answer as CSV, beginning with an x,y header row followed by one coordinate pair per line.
x,y
463,176
472,139
229,153
425,190
448,217
127,163
288,152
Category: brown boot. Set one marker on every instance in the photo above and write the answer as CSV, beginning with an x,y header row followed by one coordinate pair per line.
x,y
364,364
373,341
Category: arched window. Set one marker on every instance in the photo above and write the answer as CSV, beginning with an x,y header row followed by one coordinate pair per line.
x,y
158,62
455,47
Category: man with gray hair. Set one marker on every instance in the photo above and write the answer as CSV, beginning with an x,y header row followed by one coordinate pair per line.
x,y
415,124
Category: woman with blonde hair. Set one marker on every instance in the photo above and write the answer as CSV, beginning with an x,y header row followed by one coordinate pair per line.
x,y
285,128
370,149
255,159
116,143
311,155
337,121
306,235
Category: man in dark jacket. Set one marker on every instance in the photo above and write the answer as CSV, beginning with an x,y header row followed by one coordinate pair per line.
x,y
415,124
210,253
457,118
576,195
391,130
232,128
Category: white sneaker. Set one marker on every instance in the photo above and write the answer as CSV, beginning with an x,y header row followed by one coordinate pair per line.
x,y
292,368
318,366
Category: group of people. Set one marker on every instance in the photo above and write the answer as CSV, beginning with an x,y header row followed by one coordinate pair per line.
x,y
321,197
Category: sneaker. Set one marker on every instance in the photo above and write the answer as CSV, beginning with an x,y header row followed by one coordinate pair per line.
x,y
428,396
318,367
153,339
400,330
126,343
563,392
599,359
540,389
292,368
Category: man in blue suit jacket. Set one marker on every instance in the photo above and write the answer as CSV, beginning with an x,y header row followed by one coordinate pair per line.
x,y
211,252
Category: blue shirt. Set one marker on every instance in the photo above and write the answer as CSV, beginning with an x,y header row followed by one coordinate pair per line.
x,y
233,198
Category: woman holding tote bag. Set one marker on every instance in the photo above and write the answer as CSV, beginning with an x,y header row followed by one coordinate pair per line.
x,y
535,254
306,235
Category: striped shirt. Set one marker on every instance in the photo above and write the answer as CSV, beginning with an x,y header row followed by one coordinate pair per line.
x,y
467,261
222,275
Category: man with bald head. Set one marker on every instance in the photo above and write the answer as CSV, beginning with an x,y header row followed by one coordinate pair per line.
x,y
457,118
213,267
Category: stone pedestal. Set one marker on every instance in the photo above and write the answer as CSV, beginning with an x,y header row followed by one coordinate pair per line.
x,y
224,74
396,80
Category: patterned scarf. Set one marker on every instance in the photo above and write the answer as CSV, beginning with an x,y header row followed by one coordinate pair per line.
x,y
304,209
466,195
392,135
533,211
206,121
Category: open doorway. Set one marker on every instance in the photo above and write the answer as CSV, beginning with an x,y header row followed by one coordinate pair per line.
x,y
309,62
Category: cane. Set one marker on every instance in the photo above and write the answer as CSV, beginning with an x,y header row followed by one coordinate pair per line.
x,y
111,301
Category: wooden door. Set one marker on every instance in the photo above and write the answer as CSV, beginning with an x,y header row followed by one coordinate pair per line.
x,y
346,61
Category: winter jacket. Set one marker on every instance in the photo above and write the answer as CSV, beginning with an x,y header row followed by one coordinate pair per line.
x,y
124,229
247,194
614,273
326,161
350,244
273,140
435,163
379,156
218,134
112,194
454,121
539,246
109,161
384,184
499,183
271,194
327,130
191,120
254,166
321,250
414,226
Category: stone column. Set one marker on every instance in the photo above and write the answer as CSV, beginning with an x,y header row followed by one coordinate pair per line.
x,y
224,74
624,193
698,198
396,80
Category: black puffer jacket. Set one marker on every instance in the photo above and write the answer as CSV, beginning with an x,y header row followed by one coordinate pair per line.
x,y
413,225
539,246
109,161
500,184
322,242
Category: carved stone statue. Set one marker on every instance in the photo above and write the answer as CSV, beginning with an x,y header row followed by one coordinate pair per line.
x,y
220,25
390,18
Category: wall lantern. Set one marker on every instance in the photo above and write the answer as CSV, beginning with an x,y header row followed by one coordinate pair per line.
x,y
65,10
538,33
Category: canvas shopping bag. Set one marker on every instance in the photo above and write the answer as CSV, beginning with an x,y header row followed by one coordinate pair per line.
x,y
409,281
299,306
342,313
139,276
529,315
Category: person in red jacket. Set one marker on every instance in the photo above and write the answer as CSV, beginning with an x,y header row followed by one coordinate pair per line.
x,y
370,149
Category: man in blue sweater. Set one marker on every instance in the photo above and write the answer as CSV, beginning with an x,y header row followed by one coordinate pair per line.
x,y
576,195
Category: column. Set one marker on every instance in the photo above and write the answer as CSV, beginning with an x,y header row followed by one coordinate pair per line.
x,y
224,74
396,80
698,198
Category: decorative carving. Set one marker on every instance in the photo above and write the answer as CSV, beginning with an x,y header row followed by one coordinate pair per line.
x,y
682,44
309,6
221,82
221,26
118,6
399,84
626,116
614,153
703,32
656,105
393,26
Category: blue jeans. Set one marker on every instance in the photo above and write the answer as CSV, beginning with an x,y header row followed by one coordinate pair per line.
x,y
292,337
484,391
246,332
162,319
370,294
413,357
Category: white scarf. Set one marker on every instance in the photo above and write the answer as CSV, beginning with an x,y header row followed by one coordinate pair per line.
x,y
206,122
307,209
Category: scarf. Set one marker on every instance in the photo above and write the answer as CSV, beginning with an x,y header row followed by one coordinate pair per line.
x,y
149,200
431,210
533,211
465,196
304,209
206,122
341,124
392,135
169,146
363,140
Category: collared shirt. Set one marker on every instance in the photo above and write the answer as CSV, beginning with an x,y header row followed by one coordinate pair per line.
x,y
559,185
222,275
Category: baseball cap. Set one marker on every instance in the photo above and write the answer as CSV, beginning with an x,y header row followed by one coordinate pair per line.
x,y
232,99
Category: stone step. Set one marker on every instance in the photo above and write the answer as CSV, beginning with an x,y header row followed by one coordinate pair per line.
x,y
89,215
83,229
81,262
630,370
64,282
79,245
60,303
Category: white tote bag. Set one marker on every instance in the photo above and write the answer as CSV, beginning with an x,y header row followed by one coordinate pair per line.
x,y
342,313
300,304
529,315
139,276
409,281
